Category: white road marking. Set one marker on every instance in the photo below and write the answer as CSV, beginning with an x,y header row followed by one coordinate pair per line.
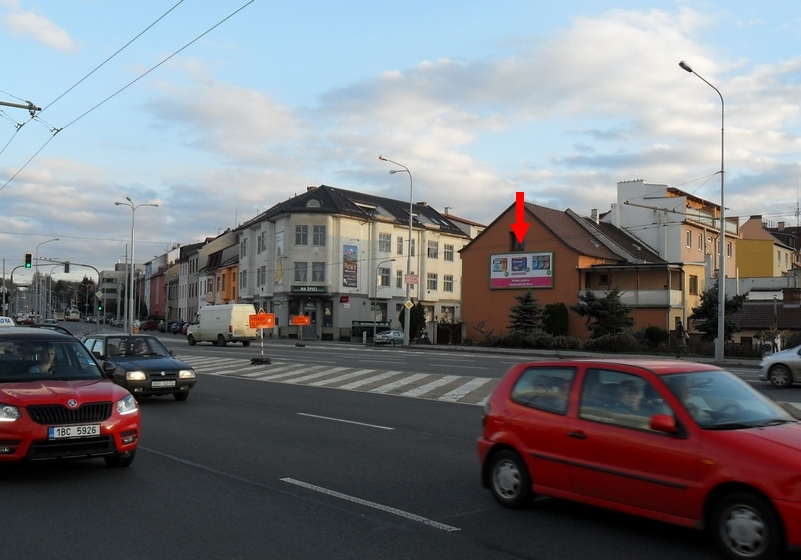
x,y
342,377
428,387
346,421
316,375
399,383
388,509
379,377
468,387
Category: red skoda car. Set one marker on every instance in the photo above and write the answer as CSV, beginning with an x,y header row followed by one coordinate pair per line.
x,y
57,403
684,443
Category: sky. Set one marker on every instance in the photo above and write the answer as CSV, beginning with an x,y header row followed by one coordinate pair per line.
x,y
217,110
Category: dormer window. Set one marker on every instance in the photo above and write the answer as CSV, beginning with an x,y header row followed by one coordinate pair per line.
x,y
313,203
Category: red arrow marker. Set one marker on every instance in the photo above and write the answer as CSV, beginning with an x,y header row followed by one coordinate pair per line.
x,y
519,227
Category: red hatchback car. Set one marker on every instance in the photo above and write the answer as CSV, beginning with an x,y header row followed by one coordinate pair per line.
x,y
57,403
680,442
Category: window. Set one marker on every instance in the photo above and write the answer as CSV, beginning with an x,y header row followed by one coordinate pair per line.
x,y
619,398
447,283
700,241
318,272
318,236
433,250
399,279
301,235
544,388
688,236
411,248
300,271
603,280
243,280
693,287
779,257
400,245
384,242
219,281
243,248
516,245
448,253
728,249
446,313
431,281
383,276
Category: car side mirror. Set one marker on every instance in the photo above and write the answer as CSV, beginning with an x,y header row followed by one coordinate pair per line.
x,y
109,368
663,423
97,355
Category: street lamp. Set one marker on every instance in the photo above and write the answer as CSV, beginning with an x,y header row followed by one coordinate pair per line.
x,y
36,273
406,315
719,342
375,293
133,208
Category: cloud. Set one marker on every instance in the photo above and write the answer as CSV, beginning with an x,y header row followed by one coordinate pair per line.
x,y
38,28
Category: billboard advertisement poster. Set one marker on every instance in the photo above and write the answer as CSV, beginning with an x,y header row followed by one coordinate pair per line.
x,y
521,270
350,266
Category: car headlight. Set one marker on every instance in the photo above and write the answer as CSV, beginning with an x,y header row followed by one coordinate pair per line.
x,y
9,413
135,375
186,374
127,405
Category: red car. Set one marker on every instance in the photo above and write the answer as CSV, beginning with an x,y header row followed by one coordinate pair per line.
x,y
56,402
675,441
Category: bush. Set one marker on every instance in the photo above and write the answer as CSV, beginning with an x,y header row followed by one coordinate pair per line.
x,y
624,342
653,337
793,340
564,343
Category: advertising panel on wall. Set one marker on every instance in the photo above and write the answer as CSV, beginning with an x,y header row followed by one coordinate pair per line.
x,y
521,270
350,266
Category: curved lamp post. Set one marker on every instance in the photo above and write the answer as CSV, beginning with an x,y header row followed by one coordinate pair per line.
x,y
38,294
720,341
407,313
133,208
375,293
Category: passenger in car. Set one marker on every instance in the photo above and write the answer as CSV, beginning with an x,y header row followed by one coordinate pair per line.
x,y
46,362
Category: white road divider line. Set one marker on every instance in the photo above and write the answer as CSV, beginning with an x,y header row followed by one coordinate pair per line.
x,y
388,509
379,377
345,421
343,377
239,370
316,375
400,383
290,373
270,370
463,390
428,387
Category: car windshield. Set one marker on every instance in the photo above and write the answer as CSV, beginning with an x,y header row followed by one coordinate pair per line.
x,y
27,360
719,400
131,346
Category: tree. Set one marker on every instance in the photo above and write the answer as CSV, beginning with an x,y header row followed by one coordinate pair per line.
x,y
526,315
417,315
607,315
705,316
555,319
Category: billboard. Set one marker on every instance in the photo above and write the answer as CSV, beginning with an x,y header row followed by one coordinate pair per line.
x,y
521,270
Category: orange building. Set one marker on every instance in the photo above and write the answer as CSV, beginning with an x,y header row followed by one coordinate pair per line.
x,y
561,255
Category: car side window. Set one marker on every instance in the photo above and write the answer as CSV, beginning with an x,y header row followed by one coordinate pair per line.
x,y
544,388
619,398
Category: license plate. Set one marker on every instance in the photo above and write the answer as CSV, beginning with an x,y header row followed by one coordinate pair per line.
x,y
66,432
168,383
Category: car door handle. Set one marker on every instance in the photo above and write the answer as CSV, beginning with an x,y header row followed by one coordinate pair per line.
x,y
577,435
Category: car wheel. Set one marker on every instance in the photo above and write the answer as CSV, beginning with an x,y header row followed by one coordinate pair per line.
x,y
509,480
392,342
780,376
221,340
245,343
745,526
191,340
120,461
181,396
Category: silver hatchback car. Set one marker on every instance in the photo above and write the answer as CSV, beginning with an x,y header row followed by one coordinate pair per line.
x,y
783,368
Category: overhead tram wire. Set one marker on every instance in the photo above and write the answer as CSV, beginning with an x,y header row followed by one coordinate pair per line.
x,y
56,131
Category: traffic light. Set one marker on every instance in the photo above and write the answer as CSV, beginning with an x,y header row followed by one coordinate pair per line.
x,y
99,307
28,260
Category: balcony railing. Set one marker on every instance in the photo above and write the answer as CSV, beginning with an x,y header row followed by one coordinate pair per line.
x,y
646,298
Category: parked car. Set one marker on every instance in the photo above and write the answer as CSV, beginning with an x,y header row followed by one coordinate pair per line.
x,y
143,365
56,402
389,337
175,328
50,322
185,328
783,368
674,441
148,325
162,326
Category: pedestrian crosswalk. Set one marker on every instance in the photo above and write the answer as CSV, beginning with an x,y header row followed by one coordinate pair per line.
x,y
447,388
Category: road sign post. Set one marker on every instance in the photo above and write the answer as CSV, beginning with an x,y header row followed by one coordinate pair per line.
x,y
261,321
301,321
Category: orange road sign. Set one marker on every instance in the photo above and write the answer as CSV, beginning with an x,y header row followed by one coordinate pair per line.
x,y
301,320
262,320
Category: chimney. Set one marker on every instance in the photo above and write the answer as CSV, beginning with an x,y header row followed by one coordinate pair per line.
x,y
594,215
447,210
310,189
422,203
781,226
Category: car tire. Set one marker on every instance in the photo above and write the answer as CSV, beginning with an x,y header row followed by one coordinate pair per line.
x,y
510,483
745,526
221,340
182,396
191,340
780,376
245,343
121,460
392,342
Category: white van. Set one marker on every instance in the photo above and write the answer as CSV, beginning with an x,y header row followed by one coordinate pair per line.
x,y
221,324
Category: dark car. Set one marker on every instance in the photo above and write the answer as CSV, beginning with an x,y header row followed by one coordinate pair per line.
x,y
143,365
57,402
675,441
148,325
162,326
175,328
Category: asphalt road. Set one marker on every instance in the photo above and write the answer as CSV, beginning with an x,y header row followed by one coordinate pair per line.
x,y
255,468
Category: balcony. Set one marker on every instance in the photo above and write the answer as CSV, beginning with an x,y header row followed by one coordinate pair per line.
x,y
646,298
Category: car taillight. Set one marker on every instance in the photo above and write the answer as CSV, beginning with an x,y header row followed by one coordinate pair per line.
x,y
230,329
